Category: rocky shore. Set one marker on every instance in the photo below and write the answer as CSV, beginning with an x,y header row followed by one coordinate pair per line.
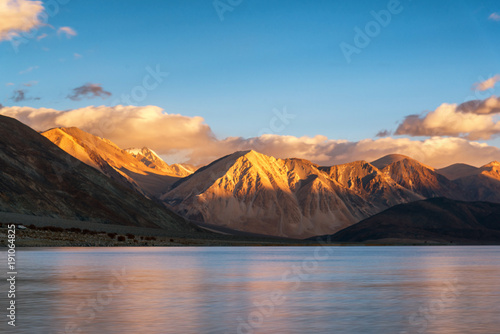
x,y
56,236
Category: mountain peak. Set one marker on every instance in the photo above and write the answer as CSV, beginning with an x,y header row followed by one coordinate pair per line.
x,y
252,192
419,178
367,180
491,170
135,151
248,153
492,164
39,179
254,154
79,135
388,159
457,171
251,156
151,157
407,161
145,172
145,150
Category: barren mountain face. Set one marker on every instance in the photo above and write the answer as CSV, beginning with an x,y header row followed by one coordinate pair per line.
x,y
143,170
38,178
149,158
484,185
256,193
371,184
421,179
491,170
457,171
387,160
293,197
252,192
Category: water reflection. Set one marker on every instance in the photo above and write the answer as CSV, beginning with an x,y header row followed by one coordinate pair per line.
x,y
258,290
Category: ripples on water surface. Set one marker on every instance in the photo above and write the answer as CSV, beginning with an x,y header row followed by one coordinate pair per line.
x,y
258,290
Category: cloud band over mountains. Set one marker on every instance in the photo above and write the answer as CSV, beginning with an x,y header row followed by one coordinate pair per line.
x,y
173,134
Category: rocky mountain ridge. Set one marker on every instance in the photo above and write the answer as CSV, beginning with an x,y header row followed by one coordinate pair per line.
x,y
38,178
252,192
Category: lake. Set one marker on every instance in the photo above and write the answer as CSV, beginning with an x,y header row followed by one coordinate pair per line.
x,y
257,290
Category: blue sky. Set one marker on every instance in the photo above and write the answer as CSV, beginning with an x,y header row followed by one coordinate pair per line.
x,y
263,55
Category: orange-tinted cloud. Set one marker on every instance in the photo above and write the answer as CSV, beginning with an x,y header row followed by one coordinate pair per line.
x,y
18,16
127,126
67,31
436,151
487,84
42,36
472,120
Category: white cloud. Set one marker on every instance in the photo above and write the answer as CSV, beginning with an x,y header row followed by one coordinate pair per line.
x,y
436,151
178,135
125,125
67,31
30,83
494,17
42,36
472,120
29,69
18,16
487,84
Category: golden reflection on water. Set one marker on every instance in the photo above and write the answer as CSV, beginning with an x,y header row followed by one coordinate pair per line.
x,y
259,290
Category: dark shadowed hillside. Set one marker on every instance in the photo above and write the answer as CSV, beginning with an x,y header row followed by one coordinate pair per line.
x,y
432,220
38,178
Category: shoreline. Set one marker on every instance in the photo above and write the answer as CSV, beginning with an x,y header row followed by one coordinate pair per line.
x,y
50,236
57,232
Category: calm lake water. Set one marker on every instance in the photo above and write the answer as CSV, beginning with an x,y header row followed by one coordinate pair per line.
x,y
257,290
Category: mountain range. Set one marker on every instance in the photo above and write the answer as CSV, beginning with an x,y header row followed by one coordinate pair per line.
x,y
38,178
296,198
248,191
140,169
